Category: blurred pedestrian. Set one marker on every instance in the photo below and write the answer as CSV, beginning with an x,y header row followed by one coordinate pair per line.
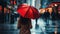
x,y
54,12
36,25
5,13
46,16
25,25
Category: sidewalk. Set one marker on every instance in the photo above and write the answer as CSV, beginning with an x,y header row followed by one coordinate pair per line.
x,y
12,28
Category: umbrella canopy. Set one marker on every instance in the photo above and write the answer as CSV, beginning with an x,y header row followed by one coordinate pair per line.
x,y
28,11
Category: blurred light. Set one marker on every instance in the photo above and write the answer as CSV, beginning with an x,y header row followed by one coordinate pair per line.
x,y
45,3
5,10
14,2
9,6
16,12
11,2
55,32
15,6
52,5
25,4
50,10
59,12
56,5
0,7
8,11
42,10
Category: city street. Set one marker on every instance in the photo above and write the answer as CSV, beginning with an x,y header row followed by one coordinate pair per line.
x,y
29,16
36,29
42,29
39,28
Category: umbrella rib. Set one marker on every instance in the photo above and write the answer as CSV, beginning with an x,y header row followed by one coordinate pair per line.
x,y
26,12
33,12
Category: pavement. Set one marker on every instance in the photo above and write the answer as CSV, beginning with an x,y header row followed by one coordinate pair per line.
x,y
39,28
12,28
36,29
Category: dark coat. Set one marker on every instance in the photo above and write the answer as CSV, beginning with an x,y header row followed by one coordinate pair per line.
x,y
25,26
46,15
54,13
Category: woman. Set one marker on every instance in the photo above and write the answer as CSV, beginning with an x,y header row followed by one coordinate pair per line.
x,y
25,25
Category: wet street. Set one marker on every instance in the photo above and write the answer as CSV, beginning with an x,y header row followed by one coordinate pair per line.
x,y
41,29
14,11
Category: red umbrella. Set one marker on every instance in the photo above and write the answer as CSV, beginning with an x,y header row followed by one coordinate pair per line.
x,y
28,11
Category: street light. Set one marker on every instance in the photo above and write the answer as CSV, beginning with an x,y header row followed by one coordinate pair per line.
x,y
9,6
56,5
